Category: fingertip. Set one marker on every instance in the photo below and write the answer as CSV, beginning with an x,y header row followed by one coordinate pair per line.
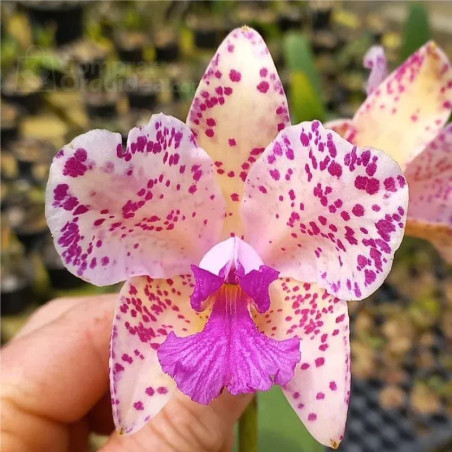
x,y
186,425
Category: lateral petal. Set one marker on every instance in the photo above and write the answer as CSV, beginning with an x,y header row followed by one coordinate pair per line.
x,y
319,392
151,210
326,211
148,311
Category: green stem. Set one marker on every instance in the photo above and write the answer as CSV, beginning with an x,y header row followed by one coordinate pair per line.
x,y
248,428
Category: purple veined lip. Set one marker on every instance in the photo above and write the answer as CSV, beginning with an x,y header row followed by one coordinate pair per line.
x,y
230,352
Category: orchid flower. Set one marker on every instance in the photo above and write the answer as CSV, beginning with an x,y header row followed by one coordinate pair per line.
x,y
239,235
405,115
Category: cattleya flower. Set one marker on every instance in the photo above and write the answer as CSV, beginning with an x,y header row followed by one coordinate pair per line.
x,y
239,235
405,115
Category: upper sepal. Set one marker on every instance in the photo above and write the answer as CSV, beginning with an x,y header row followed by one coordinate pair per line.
x,y
238,108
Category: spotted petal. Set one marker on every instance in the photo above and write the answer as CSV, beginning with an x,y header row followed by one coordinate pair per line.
x,y
320,389
148,311
152,209
344,127
375,60
429,177
238,109
326,211
409,107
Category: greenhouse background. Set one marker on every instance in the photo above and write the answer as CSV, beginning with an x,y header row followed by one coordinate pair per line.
x,y
71,66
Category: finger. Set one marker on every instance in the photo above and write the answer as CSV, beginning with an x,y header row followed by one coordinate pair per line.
x,y
78,436
51,311
69,353
185,426
229,441
100,418
56,373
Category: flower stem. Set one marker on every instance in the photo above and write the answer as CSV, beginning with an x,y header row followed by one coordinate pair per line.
x,y
248,428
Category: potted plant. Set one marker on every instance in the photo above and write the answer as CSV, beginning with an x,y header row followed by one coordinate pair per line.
x,y
167,47
24,88
142,87
90,57
16,292
30,152
9,123
65,16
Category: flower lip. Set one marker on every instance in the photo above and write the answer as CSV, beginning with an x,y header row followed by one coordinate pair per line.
x,y
229,353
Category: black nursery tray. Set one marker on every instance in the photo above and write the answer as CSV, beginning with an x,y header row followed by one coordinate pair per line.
x,y
371,428
411,309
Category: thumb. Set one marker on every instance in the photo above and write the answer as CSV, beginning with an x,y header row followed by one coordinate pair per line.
x,y
185,426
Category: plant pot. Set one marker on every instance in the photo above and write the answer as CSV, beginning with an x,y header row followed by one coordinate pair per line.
x,y
376,27
166,47
51,66
182,82
92,69
28,222
40,173
208,38
53,78
16,294
101,105
24,90
324,42
262,20
133,55
66,16
4,193
321,16
60,278
142,90
9,132
31,237
63,279
142,99
290,19
9,167
30,152
90,58
208,31
130,46
9,123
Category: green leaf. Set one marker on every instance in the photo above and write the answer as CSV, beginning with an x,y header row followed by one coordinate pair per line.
x,y
298,56
305,96
280,429
305,104
417,30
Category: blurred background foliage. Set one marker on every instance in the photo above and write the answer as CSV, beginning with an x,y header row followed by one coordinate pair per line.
x,y
70,66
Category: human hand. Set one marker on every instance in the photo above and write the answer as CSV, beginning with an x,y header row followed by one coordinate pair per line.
x,y
55,390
